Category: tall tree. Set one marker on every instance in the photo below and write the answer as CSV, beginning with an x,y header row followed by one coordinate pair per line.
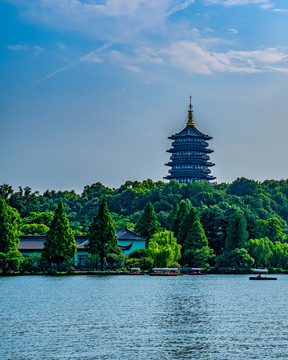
x,y
172,216
10,257
186,226
182,212
102,235
196,249
60,242
9,236
148,224
237,234
214,224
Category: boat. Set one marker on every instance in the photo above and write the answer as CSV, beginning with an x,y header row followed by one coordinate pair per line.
x,y
192,271
164,272
135,271
259,276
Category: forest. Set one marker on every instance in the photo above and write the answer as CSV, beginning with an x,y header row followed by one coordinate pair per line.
x,y
223,227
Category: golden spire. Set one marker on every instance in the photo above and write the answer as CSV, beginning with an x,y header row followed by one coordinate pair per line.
x,y
190,114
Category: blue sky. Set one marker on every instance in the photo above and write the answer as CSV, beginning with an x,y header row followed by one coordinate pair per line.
x,y
90,90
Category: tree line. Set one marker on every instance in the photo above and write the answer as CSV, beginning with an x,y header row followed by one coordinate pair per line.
x,y
225,227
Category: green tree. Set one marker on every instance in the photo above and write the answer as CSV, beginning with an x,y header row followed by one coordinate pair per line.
x,y
163,249
172,216
34,229
24,201
237,234
10,257
148,224
60,243
237,260
261,250
9,236
102,235
6,191
186,226
182,212
215,225
271,228
196,248
44,218
280,255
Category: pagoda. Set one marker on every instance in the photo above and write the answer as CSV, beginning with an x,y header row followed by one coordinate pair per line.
x,y
189,159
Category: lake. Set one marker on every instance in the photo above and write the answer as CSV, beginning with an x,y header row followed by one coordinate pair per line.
x,y
141,317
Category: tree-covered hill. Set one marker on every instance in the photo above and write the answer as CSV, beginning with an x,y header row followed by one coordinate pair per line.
x,y
227,226
256,200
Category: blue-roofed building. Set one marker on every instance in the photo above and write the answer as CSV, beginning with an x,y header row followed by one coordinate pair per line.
x,y
127,241
189,159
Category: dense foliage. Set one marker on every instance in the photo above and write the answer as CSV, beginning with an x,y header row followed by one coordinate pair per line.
x,y
244,222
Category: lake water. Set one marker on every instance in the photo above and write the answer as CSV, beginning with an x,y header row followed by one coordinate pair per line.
x,y
142,317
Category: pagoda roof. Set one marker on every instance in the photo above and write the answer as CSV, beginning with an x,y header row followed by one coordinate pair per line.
x,y
190,130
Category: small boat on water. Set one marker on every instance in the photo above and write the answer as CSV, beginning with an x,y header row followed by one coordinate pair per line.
x,y
164,272
135,271
259,276
192,271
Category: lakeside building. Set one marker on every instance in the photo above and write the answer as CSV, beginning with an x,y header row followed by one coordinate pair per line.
x,y
127,241
189,159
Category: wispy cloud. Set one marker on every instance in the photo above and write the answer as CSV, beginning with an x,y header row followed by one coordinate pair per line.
x,y
233,31
133,24
192,57
17,47
136,16
240,2
61,46
195,59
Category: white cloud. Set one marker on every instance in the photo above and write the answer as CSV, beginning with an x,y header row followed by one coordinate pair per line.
x,y
263,3
61,46
148,55
133,68
195,59
17,47
91,57
233,31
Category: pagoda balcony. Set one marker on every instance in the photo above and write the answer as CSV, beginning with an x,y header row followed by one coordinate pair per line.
x,y
183,179
192,143
191,148
190,157
193,172
189,162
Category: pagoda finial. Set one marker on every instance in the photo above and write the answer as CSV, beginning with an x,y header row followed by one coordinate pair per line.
x,y
190,114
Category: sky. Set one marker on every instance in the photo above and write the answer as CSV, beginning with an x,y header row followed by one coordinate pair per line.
x,y
90,90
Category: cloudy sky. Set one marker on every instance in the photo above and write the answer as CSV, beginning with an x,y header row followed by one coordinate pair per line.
x,y
91,89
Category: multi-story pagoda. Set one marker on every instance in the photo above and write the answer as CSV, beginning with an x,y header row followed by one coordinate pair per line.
x,y
189,159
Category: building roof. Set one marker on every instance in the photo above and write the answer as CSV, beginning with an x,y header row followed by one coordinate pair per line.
x,y
190,130
36,242
125,234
